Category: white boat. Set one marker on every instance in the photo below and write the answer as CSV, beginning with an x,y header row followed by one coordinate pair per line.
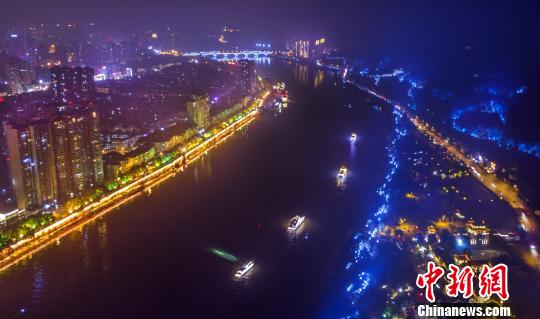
x,y
296,221
245,268
342,172
353,137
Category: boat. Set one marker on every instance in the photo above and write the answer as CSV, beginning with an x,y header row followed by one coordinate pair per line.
x,y
279,86
245,268
353,137
296,221
342,172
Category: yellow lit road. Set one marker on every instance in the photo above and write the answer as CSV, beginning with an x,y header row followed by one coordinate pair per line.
x,y
499,187
64,226
491,181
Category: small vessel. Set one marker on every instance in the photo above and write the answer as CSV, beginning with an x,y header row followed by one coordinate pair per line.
x,y
245,269
296,221
342,172
459,215
353,137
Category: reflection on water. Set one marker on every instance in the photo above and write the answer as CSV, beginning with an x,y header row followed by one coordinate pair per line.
x,y
263,61
244,131
202,167
196,174
301,74
341,183
293,236
319,78
38,283
103,235
85,251
206,164
352,150
259,60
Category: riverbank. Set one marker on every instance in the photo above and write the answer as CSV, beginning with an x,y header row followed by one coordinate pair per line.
x,y
490,181
26,247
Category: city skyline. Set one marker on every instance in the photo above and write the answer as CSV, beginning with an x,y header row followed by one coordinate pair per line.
x,y
249,159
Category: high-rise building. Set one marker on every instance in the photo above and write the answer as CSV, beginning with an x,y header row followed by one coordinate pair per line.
x,y
318,48
72,85
248,76
55,158
31,163
306,49
301,49
20,75
77,147
198,110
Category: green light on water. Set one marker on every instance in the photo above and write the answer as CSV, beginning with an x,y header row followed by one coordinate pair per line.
x,y
223,254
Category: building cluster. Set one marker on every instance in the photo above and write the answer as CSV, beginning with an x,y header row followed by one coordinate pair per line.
x,y
20,76
176,94
57,154
27,54
66,135
162,142
318,51
55,157
308,49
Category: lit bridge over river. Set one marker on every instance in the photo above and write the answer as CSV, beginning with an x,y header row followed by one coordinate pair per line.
x,y
230,55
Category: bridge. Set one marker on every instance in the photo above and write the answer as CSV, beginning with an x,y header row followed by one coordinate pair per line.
x,y
230,55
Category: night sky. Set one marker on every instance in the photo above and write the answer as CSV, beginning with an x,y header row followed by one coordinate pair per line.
x,y
351,23
426,38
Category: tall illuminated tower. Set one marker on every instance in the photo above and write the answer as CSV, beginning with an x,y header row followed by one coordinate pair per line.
x,y
72,85
77,144
31,163
248,76
198,110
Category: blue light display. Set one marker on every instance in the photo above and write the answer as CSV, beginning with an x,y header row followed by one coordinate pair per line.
x,y
496,104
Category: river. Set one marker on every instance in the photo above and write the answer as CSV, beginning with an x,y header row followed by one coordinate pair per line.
x,y
156,257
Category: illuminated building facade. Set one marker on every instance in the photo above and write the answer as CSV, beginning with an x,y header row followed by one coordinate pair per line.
x,y
478,233
20,76
308,49
31,163
72,85
54,158
248,76
198,110
78,152
301,49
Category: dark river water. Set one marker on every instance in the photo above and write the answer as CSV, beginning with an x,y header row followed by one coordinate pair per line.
x,y
153,258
